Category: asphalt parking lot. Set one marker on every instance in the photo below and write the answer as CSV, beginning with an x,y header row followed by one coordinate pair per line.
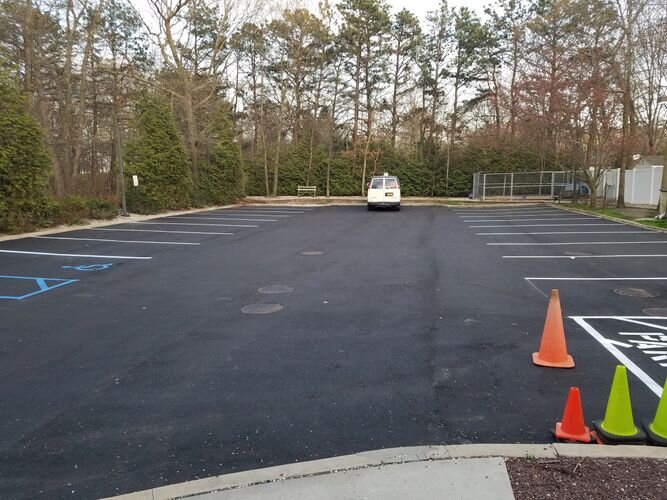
x,y
132,356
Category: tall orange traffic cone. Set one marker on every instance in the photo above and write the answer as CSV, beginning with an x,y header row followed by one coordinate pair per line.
x,y
553,351
572,427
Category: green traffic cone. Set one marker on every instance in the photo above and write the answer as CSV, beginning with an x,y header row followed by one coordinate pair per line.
x,y
618,425
657,430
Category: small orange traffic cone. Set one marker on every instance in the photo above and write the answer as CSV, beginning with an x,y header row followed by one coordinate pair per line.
x,y
553,351
572,427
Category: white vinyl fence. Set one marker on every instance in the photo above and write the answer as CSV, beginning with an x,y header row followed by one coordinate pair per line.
x,y
642,185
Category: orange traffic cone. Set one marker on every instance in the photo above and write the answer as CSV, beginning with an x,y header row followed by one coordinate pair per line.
x,y
572,427
553,351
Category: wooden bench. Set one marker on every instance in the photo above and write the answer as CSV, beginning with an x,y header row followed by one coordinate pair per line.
x,y
303,190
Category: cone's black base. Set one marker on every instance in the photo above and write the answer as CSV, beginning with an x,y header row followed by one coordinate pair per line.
x,y
653,438
608,438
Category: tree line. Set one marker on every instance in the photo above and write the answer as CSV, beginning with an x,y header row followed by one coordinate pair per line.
x,y
213,99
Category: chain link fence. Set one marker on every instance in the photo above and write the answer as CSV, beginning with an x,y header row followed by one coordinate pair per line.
x,y
521,185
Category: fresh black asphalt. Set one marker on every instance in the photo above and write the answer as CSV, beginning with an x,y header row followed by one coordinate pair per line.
x,y
408,329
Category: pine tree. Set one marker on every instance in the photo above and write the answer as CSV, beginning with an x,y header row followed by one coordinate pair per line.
x,y
222,177
156,154
24,162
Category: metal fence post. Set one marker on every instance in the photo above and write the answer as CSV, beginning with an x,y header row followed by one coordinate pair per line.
x,y
484,188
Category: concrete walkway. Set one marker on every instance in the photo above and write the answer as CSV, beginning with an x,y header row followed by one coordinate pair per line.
x,y
473,478
472,471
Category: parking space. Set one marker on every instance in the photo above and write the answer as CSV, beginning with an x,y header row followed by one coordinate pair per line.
x,y
28,266
611,276
294,334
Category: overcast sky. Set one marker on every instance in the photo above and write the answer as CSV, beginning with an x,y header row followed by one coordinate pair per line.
x,y
421,7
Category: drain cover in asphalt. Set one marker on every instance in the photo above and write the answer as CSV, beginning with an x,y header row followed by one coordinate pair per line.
x,y
656,311
636,292
276,289
261,308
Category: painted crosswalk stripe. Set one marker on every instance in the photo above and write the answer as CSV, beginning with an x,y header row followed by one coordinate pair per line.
x,y
114,241
85,256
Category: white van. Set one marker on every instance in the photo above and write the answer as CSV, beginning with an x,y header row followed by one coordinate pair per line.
x,y
384,191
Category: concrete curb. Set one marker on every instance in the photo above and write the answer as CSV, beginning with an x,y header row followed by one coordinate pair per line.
x,y
609,217
110,222
390,456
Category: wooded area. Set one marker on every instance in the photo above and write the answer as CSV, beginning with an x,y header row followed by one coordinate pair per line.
x,y
213,99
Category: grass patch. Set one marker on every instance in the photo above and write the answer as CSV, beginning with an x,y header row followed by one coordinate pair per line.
x,y
618,214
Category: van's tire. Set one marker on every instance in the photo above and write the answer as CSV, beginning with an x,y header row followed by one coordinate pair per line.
x,y
369,207
398,208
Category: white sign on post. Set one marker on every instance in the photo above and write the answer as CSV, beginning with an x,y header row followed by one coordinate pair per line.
x,y
135,180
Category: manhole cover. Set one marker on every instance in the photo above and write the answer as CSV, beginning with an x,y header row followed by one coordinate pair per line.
x,y
636,292
276,289
261,308
312,252
656,311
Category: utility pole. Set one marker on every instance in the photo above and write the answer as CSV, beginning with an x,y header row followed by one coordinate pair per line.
x,y
662,202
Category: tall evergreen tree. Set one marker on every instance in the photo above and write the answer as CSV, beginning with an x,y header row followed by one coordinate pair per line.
x,y
156,154
222,176
24,162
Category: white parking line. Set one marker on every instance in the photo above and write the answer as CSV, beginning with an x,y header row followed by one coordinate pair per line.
x,y
481,210
532,220
221,218
23,252
567,232
190,224
513,216
156,231
263,214
650,278
557,225
574,257
607,344
114,241
531,244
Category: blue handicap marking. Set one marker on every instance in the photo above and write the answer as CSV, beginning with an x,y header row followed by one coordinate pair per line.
x,y
39,285
90,267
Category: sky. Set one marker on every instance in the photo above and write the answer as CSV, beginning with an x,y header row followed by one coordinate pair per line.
x,y
421,7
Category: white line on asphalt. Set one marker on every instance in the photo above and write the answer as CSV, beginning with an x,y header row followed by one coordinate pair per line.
x,y
638,372
567,232
574,257
190,224
532,220
479,210
557,225
634,319
263,214
650,278
550,213
114,241
23,252
221,218
156,231
522,244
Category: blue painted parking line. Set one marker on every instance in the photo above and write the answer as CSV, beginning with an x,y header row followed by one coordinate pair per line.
x,y
42,284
